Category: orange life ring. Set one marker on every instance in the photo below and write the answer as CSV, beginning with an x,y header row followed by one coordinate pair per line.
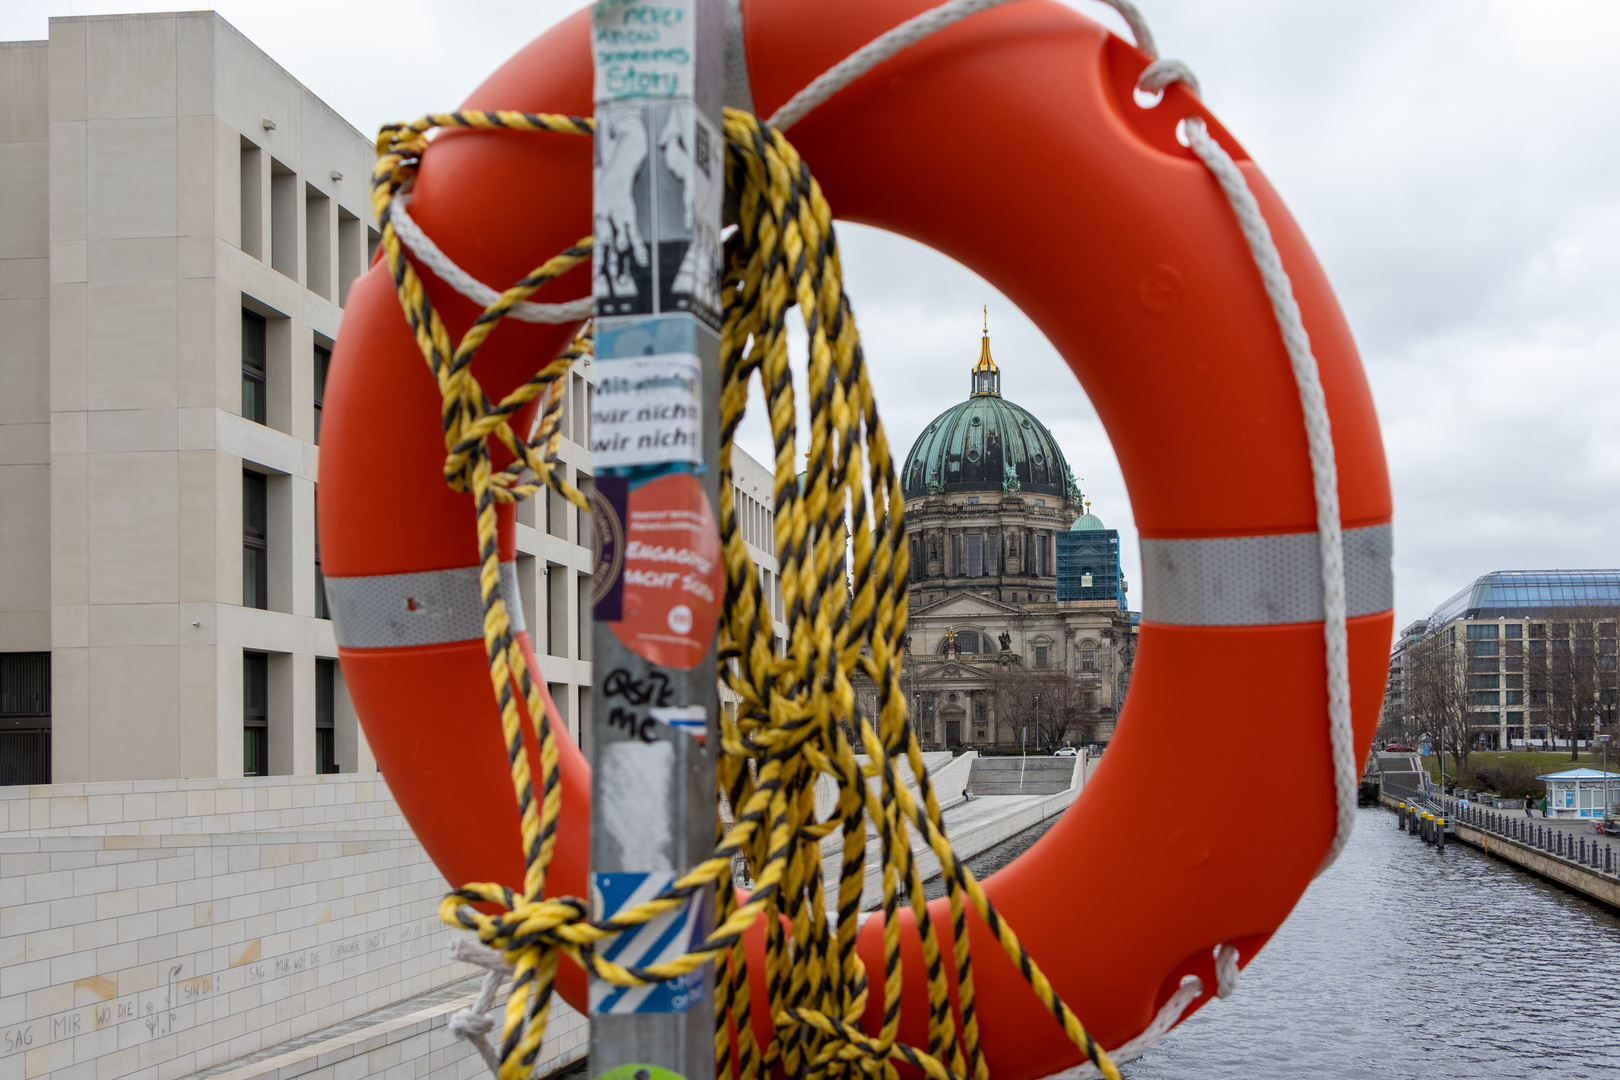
x,y
1012,143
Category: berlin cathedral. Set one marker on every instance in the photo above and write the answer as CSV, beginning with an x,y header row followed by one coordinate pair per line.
x,y
1020,633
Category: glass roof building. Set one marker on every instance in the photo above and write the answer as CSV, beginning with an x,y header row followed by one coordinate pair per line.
x,y
1527,594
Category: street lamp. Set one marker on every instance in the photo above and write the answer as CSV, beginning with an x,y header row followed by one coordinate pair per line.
x,y
1603,741
1037,722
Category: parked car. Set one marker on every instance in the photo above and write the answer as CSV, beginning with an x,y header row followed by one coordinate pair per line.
x,y
1066,751
1396,749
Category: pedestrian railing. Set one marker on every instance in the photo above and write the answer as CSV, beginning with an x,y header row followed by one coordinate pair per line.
x,y
1538,833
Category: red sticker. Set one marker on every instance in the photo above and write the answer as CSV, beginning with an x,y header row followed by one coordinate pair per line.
x,y
673,580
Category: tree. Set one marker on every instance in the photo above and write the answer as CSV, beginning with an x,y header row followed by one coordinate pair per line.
x,y
1437,694
1050,706
1569,672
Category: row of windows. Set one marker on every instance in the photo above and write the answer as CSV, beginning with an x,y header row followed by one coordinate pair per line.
x,y
978,554
754,521
269,194
256,370
256,715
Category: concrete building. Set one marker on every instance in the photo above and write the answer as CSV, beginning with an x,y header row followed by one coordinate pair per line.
x,y
180,220
994,650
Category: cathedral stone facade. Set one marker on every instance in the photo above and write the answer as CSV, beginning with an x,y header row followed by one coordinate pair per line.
x,y
995,658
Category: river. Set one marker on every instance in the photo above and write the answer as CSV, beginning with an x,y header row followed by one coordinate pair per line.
x,y
1404,961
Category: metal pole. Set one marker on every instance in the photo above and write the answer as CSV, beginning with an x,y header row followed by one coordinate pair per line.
x,y
658,581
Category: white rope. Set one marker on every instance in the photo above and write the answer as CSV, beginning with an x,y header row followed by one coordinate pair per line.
x,y
444,268
872,54
1324,469
1190,990
475,1022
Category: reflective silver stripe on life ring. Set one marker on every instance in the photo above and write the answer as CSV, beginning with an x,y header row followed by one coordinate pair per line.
x,y
1261,580
386,611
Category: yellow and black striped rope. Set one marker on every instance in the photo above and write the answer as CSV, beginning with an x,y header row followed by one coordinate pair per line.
x,y
842,562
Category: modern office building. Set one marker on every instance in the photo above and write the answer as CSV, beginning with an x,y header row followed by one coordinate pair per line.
x,y
180,220
1536,654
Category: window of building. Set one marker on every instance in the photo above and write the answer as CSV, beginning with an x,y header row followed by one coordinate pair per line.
x,y
25,718
255,352
967,641
1606,630
255,714
317,242
1538,630
992,544
1477,631
1486,663
1484,697
251,191
1482,648
283,219
323,361
1513,697
1513,630
1514,682
1088,659
1040,656
1559,631
556,586
1088,699
351,242
255,540
321,611
975,554
582,518
1484,682
1514,663
1513,648
325,715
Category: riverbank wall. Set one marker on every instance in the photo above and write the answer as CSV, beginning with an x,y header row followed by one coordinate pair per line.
x,y
267,927
1477,831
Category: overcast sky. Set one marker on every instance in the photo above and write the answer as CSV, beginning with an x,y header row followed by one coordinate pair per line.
x,y
1454,164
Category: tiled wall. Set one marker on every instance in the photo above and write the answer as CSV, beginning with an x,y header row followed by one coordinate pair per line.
x,y
152,930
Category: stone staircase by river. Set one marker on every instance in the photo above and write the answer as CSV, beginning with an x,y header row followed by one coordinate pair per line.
x,y
1021,775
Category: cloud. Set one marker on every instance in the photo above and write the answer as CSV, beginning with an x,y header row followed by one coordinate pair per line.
x,y
1452,161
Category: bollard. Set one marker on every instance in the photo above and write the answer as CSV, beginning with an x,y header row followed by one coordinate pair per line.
x,y
1583,849
1608,860
1400,818
1440,834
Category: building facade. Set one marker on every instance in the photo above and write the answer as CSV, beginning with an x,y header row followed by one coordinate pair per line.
x,y
180,220
1004,647
1522,656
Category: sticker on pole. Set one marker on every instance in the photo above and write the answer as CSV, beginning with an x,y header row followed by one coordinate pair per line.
x,y
672,575
648,410
607,496
656,941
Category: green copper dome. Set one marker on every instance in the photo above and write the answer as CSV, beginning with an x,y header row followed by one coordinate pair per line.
x,y
986,443
1086,522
